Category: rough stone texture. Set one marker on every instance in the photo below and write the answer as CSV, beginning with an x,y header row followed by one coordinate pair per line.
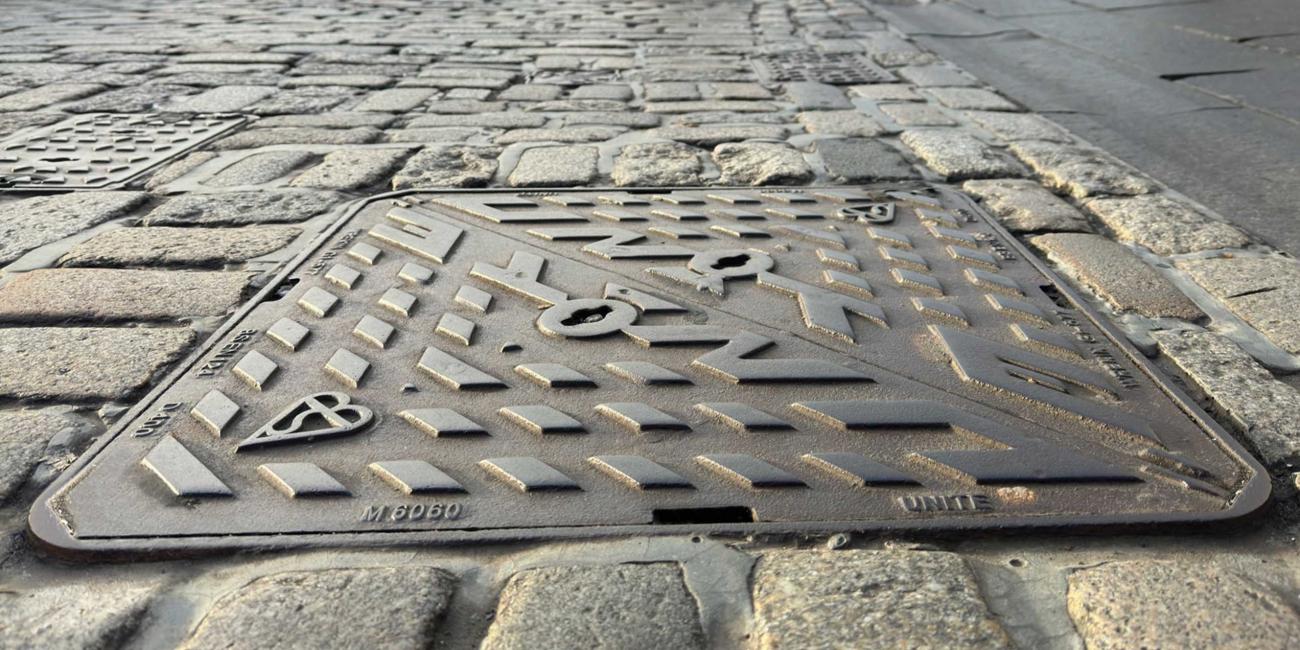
x,y
1024,206
46,295
811,95
1013,127
327,120
1080,171
761,163
711,135
1192,605
958,156
555,167
853,160
224,99
877,599
28,223
436,134
177,169
259,168
886,93
850,123
340,608
352,169
83,616
263,137
23,437
34,98
917,115
1165,225
1263,291
628,606
657,164
239,208
1264,409
977,99
84,363
166,246
492,120
568,134
1117,275
448,166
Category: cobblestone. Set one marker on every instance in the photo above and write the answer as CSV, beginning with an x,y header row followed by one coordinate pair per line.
x,y
440,134
91,617
958,156
1117,275
84,363
491,120
882,599
1024,206
395,100
617,607
1081,172
448,166
224,99
344,608
240,208
327,120
1165,225
854,160
47,295
1265,410
713,135
179,168
657,164
253,138
1014,127
555,167
23,438
37,98
917,115
851,123
977,99
1263,291
567,134
761,163
259,168
28,223
166,246
814,96
352,169
1177,605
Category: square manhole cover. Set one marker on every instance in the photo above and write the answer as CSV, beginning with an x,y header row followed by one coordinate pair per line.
x,y
493,365
102,150
806,65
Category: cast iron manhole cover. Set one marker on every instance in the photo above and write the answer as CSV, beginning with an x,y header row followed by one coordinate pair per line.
x,y
101,150
805,65
491,365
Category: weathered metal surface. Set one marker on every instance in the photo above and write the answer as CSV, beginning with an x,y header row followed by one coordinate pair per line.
x,y
806,65
103,150
471,365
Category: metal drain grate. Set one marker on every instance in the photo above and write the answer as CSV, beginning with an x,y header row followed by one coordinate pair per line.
x,y
492,365
103,150
805,65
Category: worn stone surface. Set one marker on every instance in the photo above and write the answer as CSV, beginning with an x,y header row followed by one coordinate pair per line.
x,y
615,606
35,98
396,607
259,168
958,156
657,164
352,169
1263,290
761,163
851,123
1164,224
917,115
72,616
437,134
83,363
977,99
1117,275
1193,605
710,135
567,134
811,95
240,208
853,160
489,120
253,138
881,599
179,168
28,223
46,295
23,438
1025,206
1013,127
555,166
448,166
167,246
1080,171
1265,410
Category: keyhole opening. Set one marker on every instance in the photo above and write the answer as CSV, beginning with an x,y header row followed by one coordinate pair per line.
x,y
587,316
730,262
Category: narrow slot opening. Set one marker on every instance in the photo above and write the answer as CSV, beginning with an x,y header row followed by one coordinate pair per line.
x,y
718,515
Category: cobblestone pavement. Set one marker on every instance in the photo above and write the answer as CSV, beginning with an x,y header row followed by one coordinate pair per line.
x,y
102,291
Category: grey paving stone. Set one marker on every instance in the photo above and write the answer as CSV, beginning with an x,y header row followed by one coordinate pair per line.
x,y
619,607
761,163
1117,275
23,439
253,138
47,295
299,101
879,599
1263,291
854,160
1193,605
1164,224
851,123
464,107
580,118
338,608
165,246
958,156
886,93
241,208
715,134
937,75
179,168
13,122
28,223
395,100
1013,127
531,93
224,99
1081,171
448,166
131,99
512,120
327,120
575,106
85,363
567,134
437,134
259,168
89,616
555,167
43,96
736,90
671,91
350,80
1025,206
976,99
657,164
352,169
1264,410
729,105
917,115
814,96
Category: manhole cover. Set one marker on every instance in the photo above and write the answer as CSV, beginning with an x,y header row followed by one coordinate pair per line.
x,y
100,150
806,65
491,365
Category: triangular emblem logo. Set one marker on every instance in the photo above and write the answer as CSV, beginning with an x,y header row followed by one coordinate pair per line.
x,y
323,415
